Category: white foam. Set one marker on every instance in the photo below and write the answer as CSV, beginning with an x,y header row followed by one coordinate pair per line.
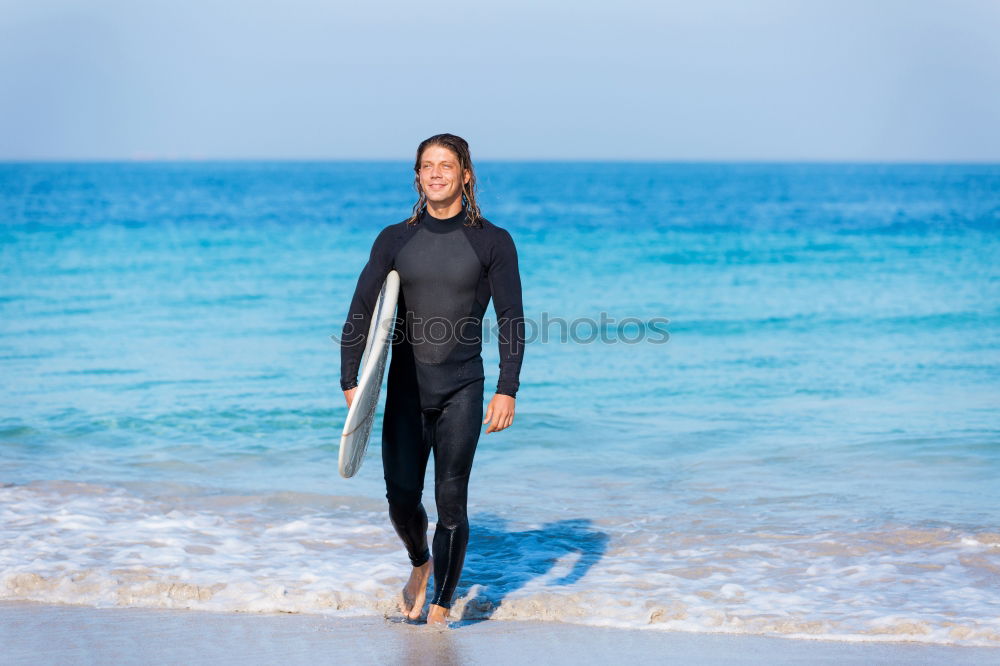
x,y
86,544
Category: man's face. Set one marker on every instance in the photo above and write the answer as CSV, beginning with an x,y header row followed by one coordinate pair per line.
x,y
440,176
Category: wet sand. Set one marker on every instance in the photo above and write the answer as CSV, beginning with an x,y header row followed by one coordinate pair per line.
x,y
48,634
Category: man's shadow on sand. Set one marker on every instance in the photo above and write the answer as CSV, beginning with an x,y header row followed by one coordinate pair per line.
x,y
500,561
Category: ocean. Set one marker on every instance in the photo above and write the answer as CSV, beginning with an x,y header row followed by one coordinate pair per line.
x,y
755,398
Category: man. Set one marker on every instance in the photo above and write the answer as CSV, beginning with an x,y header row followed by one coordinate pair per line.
x,y
451,261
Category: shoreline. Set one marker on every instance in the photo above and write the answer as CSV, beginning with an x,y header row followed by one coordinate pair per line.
x,y
44,633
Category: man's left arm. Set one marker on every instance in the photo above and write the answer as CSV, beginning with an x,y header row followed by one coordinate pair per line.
x,y
505,286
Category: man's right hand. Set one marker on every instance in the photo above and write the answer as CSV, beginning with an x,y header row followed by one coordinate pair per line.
x,y
349,395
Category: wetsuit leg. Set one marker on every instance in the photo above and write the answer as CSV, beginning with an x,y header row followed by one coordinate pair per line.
x,y
405,449
455,433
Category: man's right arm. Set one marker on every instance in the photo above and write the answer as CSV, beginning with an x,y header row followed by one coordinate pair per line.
x,y
355,331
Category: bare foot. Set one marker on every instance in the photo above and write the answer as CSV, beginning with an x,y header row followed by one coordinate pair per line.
x,y
437,615
415,591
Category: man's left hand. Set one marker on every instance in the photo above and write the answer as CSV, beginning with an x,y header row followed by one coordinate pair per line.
x,y
499,413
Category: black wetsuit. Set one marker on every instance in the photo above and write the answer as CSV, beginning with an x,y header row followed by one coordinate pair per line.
x,y
448,271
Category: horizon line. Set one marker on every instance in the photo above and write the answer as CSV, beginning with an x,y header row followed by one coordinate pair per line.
x,y
479,160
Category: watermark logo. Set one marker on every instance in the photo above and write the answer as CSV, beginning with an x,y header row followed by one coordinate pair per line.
x,y
543,329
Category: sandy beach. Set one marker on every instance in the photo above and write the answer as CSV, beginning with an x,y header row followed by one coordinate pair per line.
x,y
49,634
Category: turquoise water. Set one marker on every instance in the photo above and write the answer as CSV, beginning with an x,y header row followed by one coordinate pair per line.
x,y
813,451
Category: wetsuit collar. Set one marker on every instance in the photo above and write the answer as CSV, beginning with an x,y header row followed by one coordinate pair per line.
x,y
441,225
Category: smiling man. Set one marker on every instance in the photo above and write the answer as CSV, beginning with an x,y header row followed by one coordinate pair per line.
x,y
451,261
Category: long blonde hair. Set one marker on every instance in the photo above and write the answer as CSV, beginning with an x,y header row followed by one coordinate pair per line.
x,y
460,147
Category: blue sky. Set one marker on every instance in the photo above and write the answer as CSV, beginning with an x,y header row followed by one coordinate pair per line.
x,y
575,79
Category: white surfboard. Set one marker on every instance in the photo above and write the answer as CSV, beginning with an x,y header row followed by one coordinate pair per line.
x,y
361,415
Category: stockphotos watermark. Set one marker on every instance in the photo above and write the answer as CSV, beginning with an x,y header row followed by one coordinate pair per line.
x,y
546,328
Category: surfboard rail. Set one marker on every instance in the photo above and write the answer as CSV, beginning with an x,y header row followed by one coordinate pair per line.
x,y
361,415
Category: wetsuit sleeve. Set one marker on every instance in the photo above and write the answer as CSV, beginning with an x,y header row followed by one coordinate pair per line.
x,y
355,331
505,286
